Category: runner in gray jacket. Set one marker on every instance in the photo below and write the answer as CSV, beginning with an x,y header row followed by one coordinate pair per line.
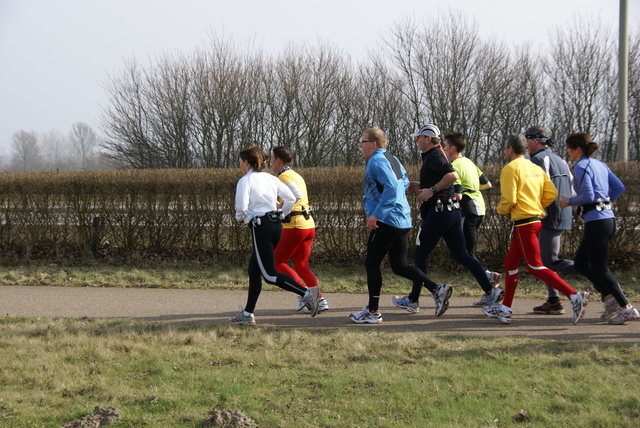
x,y
557,220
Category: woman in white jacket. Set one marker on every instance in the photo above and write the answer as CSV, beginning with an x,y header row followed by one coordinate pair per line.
x,y
257,196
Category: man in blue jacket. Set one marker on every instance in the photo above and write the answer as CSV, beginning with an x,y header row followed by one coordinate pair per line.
x,y
557,220
388,219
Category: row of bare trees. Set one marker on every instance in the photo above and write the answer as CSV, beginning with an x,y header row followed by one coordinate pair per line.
x,y
198,110
78,151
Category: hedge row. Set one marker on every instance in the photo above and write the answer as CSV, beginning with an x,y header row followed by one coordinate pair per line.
x,y
189,214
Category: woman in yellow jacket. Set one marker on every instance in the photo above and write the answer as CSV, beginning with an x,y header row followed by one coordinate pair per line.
x,y
299,231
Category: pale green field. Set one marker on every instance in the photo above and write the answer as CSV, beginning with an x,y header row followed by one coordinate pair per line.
x,y
53,371
164,375
224,276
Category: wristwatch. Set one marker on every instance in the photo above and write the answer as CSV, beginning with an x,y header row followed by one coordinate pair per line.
x,y
433,189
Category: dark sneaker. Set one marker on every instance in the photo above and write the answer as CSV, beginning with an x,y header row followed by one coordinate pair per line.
x,y
549,309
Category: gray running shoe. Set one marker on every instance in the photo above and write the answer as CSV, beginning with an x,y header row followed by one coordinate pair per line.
x,y
311,300
441,297
241,319
322,306
366,317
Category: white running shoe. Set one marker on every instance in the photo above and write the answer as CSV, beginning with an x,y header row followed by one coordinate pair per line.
x,y
494,278
502,312
579,301
482,301
300,304
611,307
495,296
366,317
625,315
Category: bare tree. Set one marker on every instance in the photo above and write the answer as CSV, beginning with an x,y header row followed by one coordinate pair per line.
x,y
317,100
219,87
83,141
381,104
26,152
199,110
168,89
579,70
634,98
55,152
125,121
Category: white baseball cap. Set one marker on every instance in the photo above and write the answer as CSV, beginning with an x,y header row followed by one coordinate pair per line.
x,y
429,131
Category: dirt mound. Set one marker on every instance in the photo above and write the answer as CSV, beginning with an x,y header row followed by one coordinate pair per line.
x,y
100,417
228,419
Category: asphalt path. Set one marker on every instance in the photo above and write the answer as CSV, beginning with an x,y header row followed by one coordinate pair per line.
x,y
274,309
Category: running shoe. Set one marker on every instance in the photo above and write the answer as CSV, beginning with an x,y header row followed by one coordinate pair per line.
x,y
441,298
242,319
548,308
405,303
491,299
579,301
322,306
502,312
624,315
482,302
495,296
611,307
300,304
311,300
366,317
494,278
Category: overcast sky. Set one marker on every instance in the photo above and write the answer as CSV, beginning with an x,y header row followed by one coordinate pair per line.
x,y
56,54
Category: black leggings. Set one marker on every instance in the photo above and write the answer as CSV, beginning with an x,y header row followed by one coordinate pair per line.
x,y
265,237
447,225
470,225
395,242
592,255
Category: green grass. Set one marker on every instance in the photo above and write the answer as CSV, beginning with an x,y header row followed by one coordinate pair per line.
x,y
166,375
170,375
184,275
